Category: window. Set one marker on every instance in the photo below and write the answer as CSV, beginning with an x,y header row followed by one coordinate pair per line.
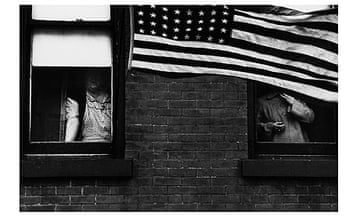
x,y
302,143
72,75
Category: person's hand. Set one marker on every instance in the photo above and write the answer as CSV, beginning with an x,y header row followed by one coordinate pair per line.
x,y
290,99
275,127
71,108
278,127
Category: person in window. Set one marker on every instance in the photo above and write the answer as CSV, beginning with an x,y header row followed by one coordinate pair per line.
x,y
96,121
280,117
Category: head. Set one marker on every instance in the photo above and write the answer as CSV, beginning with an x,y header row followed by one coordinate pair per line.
x,y
96,81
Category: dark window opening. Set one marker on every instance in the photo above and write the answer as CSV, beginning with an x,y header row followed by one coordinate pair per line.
x,y
50,89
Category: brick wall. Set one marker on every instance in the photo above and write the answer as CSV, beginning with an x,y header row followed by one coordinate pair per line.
x,y
186,136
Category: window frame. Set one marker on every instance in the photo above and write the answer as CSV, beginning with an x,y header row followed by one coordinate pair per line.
x,y
312,159
37,160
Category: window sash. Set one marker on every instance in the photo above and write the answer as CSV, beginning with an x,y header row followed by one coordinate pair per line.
x,y
71,12
262,148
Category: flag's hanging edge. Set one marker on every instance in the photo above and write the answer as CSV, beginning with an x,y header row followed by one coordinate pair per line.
x,y
132,33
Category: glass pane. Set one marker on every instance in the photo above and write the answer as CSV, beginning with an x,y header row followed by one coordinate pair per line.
x,y
71,12
287,117
71,48
71,104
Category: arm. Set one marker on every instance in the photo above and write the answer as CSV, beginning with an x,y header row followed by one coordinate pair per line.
x,y
266,128
72,120
299,109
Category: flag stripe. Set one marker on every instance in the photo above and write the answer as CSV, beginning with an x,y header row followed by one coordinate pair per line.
x,y
327,23
194,63
234,56
212,58
286,36
305,62
284,54
225,61
330,36
285,45
294,86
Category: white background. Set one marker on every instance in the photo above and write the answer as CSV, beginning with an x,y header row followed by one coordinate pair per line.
x,y
349,123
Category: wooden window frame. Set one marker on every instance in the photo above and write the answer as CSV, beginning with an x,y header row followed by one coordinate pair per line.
x,y
313,159
42,158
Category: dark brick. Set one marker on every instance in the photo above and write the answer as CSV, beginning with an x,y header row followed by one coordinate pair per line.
x,y
153,155
139,95
166,181
55,199
181,155
195,95
152,172
110,207
269,206
165,95
110,199
210,155
32,191
68,190
153,189
181,121
167,146
167,112
283,198
39,208
82,199
224,163
123,190
153,198
181,207
225,198
68,208
182,172
196,198
224,181
209,86
181,87
152,206
259,199
182,190
45,191
146,87
196,112
195,181
175,198
196,164
182,104
95,190
167,164
309,199
223,146
198,146
30,200
209,103
212,207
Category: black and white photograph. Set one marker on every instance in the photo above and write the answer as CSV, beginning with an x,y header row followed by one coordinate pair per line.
x,y
180,108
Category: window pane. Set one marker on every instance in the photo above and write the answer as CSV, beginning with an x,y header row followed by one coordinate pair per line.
x,y
71,104
287,117
71,12
71,48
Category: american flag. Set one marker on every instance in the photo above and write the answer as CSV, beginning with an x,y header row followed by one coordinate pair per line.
x,y
296,52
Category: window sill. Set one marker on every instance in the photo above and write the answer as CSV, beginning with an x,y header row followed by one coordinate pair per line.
x,y
289,168
75,167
